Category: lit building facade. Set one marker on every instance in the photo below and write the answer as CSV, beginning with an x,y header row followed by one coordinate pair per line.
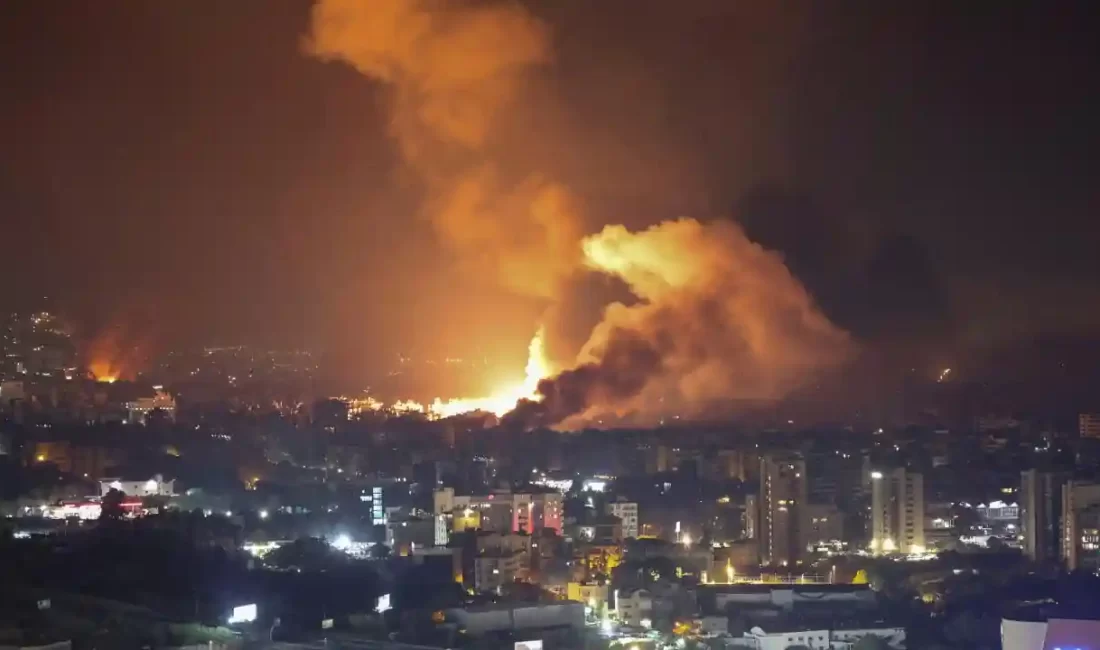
x,y
1088,425
496,569
501,511
1080,524
155,486
750,519
140,408
627,512
825,525
783,495
1041,514
374,496
897,511
634,608
592,594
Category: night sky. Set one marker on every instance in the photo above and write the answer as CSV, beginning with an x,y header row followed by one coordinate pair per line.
x,y
929,170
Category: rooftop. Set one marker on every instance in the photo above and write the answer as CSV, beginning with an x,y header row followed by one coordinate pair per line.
x,y
1038,612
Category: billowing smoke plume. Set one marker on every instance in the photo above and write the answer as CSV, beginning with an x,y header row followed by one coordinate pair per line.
x,y
718,319
453,69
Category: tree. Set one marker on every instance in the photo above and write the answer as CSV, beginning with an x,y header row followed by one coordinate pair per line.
x,y
154,502
379,552
158,419
306,554
965,519
330,412
659,568
870,642
111,506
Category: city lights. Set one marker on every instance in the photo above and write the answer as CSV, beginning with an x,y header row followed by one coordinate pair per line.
x,y
383,604
576,323
595,485
243,614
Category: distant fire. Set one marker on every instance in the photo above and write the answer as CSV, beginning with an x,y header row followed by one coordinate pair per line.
x,y
104,371
504,399
501,401
115,353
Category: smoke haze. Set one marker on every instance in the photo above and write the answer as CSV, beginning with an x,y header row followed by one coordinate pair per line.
x,y
452,69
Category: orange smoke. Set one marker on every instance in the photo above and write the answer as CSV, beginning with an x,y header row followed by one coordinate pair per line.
x,y
718,319
103,372
109,359
453,69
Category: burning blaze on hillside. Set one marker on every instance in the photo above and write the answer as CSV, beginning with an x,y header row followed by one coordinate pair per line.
x,y
115,353
716,316
107,362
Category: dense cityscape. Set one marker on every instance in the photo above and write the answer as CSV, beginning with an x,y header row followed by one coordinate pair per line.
x,y
297,520
532,325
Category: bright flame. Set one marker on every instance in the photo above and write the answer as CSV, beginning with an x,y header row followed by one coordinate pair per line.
x,y
407,406
500,402
506,398
104,371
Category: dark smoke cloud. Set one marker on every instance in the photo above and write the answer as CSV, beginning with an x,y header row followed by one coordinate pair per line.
x,y
628,363
717,318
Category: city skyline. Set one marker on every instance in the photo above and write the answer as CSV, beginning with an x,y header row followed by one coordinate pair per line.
x,y
549,325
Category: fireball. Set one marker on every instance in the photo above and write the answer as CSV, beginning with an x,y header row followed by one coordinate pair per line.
x,y
505,398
